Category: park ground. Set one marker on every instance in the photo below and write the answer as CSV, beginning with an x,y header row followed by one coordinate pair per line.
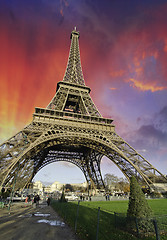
x,y
24,222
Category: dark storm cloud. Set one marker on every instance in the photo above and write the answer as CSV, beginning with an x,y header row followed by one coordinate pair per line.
x,y
160,121
150,132
151,135
163,113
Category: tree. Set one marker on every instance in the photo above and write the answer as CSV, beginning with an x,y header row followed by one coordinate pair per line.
x,y
138,206
62,199
69,187
4,194
115,182
110,180
123,185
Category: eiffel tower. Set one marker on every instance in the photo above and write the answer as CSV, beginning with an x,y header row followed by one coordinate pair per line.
x,y
71,129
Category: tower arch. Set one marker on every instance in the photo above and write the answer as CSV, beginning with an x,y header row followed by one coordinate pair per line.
x,y
85,151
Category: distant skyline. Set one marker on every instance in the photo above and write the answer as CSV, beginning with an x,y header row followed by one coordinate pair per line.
x,y
123,46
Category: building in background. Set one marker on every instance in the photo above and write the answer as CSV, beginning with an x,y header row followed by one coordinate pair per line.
x,y
39,188
56,186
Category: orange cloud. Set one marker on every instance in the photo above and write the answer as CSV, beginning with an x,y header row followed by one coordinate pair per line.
x,y
117,73
143,68
165,45
61,12
64,4
145,86
113,88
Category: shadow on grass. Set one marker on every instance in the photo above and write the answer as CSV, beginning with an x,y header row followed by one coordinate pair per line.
x,y
87,222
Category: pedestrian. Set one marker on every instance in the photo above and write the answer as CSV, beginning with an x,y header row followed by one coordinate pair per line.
x,y
48,201
26,200
37,200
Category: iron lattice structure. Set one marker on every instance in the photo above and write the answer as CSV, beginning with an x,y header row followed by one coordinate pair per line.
x,y
71,129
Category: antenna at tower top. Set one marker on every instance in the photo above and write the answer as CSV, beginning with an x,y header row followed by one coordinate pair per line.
x,y
74,32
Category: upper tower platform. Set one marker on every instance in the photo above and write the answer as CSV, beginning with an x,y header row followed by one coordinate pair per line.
x,y
72,95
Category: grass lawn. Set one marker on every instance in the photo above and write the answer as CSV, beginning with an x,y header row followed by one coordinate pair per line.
x,y
108,206
158,206
87,218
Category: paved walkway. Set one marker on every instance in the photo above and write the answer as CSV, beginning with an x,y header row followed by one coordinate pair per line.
x,y
27,223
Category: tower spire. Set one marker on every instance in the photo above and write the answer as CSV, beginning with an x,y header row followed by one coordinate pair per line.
x,y
73,72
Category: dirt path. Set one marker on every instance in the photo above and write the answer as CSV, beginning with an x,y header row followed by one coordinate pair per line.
x,y
27,223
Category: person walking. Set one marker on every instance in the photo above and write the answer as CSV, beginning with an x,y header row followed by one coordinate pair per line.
x,y
37,200
48,201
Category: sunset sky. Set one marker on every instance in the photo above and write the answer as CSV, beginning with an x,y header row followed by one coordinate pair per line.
x,y
123,46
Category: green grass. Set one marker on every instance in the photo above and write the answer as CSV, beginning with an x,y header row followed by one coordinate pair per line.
x,y
87,219
108,206
158,206
87,222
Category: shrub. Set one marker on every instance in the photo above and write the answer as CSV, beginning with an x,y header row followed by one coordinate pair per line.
x,y
139,212
138,206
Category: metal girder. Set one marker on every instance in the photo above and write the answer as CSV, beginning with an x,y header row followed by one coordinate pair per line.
x,y
84,158
71,129
84,149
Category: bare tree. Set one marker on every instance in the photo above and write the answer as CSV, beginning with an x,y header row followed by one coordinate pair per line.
x,y
112,181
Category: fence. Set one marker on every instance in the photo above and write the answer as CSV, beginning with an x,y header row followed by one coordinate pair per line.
x,y
95,224
162,225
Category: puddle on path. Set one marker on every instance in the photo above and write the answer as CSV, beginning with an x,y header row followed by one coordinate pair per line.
x,y
52,222
41,214
37,214
28,215
43,205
